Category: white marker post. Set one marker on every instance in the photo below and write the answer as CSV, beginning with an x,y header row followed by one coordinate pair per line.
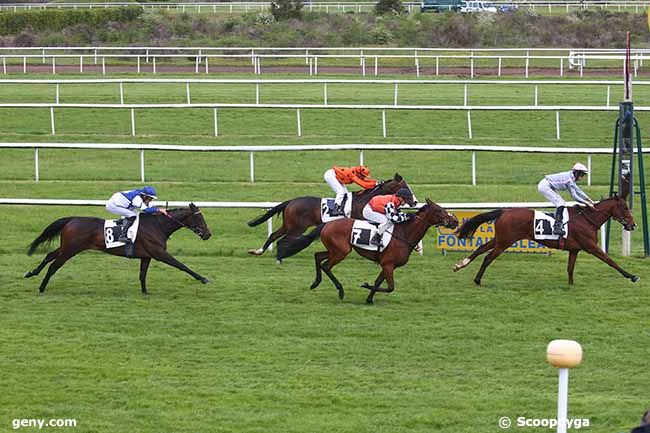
x,y
563,354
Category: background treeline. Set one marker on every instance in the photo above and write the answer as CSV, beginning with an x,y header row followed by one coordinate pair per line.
x,y
132,26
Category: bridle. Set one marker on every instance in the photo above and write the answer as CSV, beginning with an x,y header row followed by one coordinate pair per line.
x,y
620,220
197,230
413,244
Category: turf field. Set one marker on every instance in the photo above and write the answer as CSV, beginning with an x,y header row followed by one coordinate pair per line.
x,y
256,350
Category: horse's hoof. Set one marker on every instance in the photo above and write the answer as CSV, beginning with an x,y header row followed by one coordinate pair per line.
x,y
255,252
204,280
635,278
278,262
314,285
341,293
28,274
369,301
477,282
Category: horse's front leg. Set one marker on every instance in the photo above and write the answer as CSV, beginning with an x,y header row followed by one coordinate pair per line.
x,y
573,255
144,266
596,251
165,257
387,273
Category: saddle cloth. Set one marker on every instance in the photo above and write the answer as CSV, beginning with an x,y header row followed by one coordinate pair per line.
x,y
326,205
113,230
363,231
543,225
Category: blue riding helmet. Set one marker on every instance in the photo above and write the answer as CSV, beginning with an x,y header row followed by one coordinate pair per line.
x,y
149,191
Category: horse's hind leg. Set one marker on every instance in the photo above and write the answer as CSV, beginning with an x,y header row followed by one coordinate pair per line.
x,y
318,258
272,238
480,250
63,257
48,258
327,268
496,252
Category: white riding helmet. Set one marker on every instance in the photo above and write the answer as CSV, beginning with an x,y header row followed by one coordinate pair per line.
x,y
580,167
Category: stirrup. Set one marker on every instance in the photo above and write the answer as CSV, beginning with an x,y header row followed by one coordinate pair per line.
x,y
376,240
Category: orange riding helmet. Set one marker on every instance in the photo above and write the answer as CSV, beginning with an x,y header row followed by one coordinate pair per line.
x,y
361,171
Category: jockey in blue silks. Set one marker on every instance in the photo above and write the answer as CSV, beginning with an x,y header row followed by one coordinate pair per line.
x,y
126,204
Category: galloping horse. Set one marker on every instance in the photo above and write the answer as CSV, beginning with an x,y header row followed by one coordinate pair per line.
x,y
336,235
512,225
300,213
87,233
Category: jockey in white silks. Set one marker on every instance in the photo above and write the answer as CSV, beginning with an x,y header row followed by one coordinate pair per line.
x,y
564,181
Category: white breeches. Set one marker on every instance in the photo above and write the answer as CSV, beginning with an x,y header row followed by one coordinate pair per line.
x,y
376,217
338,187
118,205
551,195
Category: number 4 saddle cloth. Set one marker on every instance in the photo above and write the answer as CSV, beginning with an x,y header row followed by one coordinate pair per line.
x,y
543,225
113,230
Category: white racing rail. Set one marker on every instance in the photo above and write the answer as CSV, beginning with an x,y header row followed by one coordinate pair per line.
x,y
589,151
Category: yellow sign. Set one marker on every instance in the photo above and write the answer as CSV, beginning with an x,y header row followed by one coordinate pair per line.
x,y
447,240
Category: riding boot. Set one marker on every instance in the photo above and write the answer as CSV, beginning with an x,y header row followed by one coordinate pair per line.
x,y
337,210
376,239
129,249
126,223
558,228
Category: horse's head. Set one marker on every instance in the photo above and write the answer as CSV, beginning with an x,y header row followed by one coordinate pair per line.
x,y
436,215
621,213
192,218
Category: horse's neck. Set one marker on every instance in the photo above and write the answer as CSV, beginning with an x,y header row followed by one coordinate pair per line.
x,y
170,225
415,230
604,213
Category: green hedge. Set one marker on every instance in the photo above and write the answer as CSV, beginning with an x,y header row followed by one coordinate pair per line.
x,y
56,20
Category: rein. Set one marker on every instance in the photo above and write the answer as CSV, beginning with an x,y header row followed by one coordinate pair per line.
x,y
182,224
406,241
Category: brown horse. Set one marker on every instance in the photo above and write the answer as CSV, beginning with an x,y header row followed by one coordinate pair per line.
x,y
86,233
301,213
335,236
512,225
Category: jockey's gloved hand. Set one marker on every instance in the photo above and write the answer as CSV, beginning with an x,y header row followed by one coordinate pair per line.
x,y
410,216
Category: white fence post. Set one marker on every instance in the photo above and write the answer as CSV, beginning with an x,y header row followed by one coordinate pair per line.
x,y
325,93
536,94
465,97
36,172
4,65
142,165
132,122
589,170
257,93
122,92
216,124
103,66
383,122
298,122
187,90
81,64
269,229
608,93
603,237
252,166
557,125
473,168
395,95
52,121
53,65
57,93
469,124
361,157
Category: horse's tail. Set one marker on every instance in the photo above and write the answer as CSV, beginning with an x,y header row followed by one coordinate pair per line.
x,y
470,226
48,234
259,220
292,246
